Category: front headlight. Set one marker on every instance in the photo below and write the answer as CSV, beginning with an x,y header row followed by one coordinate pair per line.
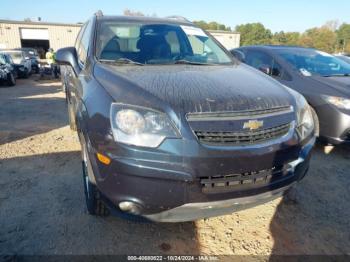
x,y
340,102
305,120
140,126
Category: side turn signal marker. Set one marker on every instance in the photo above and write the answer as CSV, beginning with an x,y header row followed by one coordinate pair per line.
x,y
103,159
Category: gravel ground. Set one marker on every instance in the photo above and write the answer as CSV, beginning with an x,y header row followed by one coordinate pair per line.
x,y
42,209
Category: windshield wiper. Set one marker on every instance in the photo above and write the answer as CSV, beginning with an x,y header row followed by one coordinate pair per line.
x,y
121,61
335,75
187,62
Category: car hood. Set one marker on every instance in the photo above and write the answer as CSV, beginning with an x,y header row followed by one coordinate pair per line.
x,y
339,83
190,88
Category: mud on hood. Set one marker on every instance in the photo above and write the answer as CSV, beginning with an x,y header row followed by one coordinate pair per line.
x,y
199,88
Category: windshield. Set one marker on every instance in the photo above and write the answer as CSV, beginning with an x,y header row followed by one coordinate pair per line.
x,y
344,58
16,55
157,44
314,62
2,60
30,53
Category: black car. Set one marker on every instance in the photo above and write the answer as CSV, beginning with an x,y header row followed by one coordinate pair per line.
x,y
19,62
323,79
19,71
172,127
8,73
33,55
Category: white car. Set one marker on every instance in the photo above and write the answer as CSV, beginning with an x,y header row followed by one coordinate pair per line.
x,y
20,58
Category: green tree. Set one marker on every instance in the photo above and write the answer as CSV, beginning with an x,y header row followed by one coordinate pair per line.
x,y
202,24
286,38
320,38
212,25
343,38
254,34
279,38
293,38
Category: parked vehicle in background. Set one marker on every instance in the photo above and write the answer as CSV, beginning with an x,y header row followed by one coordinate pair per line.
x,y
7,72
344,58
173,128
7,60
32,53
19,58
323,79
20,70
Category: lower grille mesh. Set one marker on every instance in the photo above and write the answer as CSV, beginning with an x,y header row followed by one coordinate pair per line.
x,y
214,184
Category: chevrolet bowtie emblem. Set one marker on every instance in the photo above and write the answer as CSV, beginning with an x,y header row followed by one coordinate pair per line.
x,y
253,125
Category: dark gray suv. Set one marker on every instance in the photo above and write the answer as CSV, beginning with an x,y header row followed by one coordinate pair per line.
x,y
173,128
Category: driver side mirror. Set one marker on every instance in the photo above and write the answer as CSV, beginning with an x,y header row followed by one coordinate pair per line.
x,y
265,69
68,56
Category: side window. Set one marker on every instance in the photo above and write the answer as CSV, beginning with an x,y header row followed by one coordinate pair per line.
x,y
83,44
77,41
173,42
263,62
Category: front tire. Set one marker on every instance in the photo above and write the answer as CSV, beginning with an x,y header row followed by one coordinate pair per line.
x,y
26,74
71,116
11,80
94,202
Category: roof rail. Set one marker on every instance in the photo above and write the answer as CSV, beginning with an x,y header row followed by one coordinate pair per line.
x,y
99,13
179,18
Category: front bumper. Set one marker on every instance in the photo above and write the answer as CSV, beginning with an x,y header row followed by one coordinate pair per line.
x,y
167,186
334,124
195,211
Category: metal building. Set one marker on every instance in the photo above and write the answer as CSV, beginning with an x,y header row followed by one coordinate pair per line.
x,y
39,35
228,39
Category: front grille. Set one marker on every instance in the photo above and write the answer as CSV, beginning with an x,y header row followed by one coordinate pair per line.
x,y
242,138
234,115
232,182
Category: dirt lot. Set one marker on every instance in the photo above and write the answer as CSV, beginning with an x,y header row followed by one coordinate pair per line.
x,y
42,202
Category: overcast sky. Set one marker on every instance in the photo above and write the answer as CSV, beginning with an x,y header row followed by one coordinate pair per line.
x,y
287,15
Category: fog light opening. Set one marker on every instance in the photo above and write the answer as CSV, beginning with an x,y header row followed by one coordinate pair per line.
x,y
130,207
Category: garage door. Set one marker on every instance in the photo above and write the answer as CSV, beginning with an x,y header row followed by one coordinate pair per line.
x,y
34,34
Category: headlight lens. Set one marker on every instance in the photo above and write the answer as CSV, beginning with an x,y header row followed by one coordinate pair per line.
x,y
305,124
340,102
130,121
140,126
305,119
